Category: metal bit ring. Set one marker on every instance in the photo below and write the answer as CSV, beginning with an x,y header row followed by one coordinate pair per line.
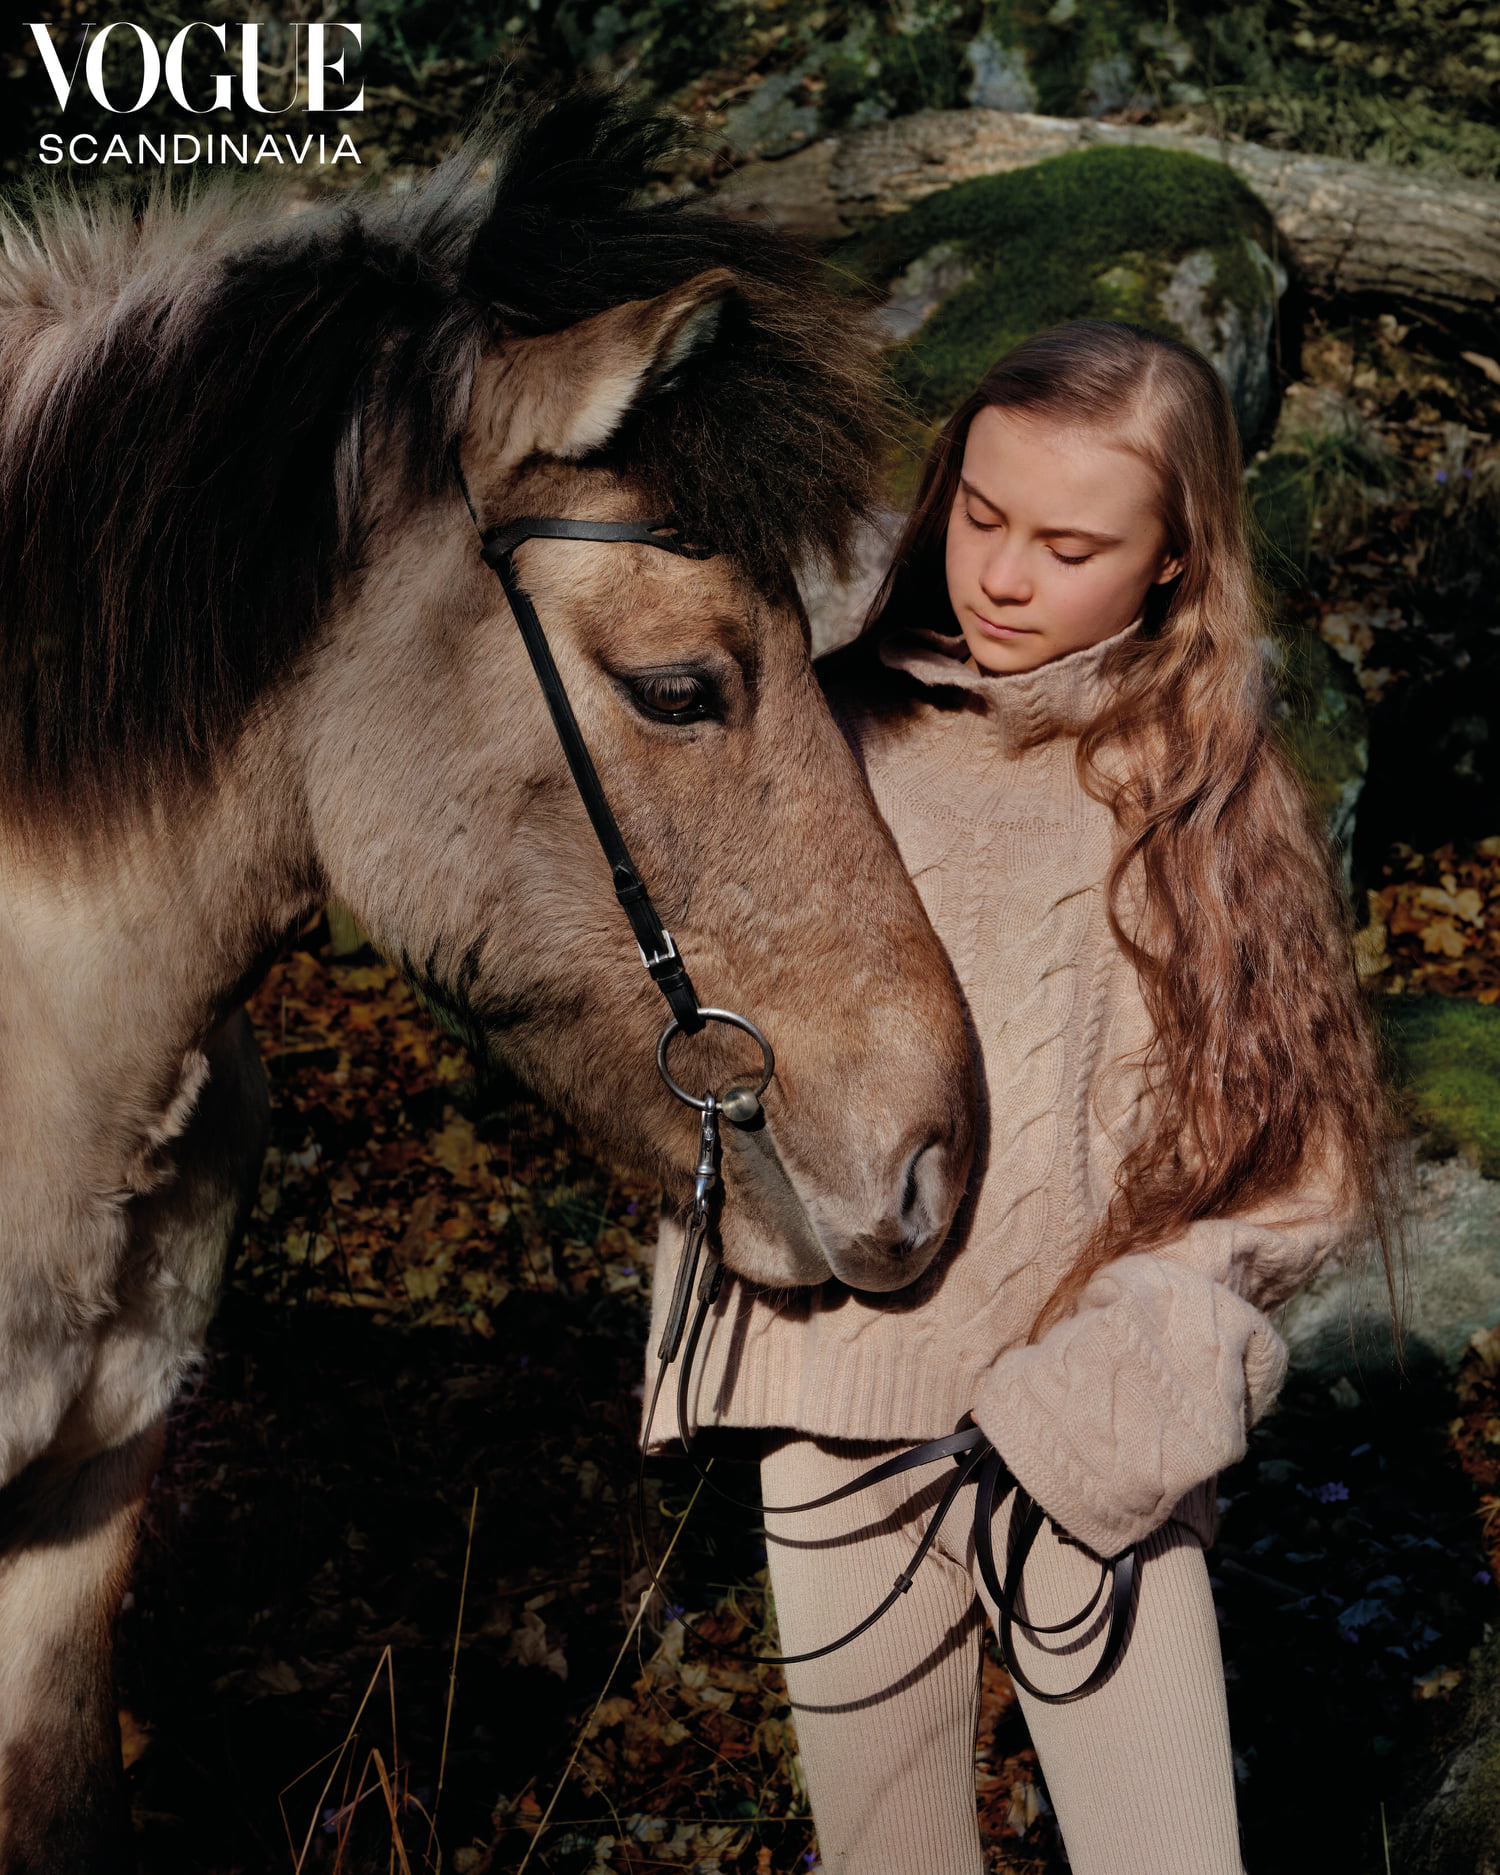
x,y
674,1027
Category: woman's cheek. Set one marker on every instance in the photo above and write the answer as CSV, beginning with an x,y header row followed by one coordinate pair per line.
x,y
954,567
1111,599
1073,597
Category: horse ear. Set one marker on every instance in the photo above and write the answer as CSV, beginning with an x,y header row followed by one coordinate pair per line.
x,y
567,392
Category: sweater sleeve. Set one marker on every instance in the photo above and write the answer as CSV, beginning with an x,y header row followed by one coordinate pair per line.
x,y
1146,1391
1150,1388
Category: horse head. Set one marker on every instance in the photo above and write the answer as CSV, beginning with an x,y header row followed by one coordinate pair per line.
x,y
446,816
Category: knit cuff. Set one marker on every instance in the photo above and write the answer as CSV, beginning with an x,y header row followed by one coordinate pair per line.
x,y
1119,1411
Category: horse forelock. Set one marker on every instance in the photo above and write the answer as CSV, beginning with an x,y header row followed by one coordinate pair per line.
x,y
190,389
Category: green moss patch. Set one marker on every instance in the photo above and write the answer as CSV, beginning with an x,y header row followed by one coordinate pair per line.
x,y
1324,728
1090,235
1449,1056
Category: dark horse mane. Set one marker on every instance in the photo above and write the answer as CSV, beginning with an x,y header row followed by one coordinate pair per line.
x,y
188,388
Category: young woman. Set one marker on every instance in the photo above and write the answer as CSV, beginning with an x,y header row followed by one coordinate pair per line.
x,y
1061,708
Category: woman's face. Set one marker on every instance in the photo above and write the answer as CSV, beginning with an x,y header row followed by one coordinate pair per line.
x,y
1053,542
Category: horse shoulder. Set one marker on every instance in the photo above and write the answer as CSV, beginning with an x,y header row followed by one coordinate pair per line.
x,y
119,1196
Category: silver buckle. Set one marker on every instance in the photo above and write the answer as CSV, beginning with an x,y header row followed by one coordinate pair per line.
x,y
669,955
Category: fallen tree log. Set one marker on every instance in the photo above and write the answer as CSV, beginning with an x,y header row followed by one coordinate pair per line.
x,y
1347,227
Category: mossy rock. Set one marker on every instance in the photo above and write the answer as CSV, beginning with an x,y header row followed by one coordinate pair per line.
x,y
1324,729
1445,1054
1456,1830
1448,1051
1284,488
1159,237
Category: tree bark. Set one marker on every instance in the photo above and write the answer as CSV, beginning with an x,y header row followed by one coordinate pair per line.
x,y
1346,227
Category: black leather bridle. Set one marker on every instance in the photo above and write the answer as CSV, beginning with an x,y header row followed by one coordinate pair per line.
x,y
976,1460
654,941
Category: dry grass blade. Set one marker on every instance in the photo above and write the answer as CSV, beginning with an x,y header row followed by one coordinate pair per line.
x,y
583,1730
398,1848
348,1813
337,1754
458,1632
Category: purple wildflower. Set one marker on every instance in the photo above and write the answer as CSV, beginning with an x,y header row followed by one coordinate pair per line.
x,y
1334,1493
1442,475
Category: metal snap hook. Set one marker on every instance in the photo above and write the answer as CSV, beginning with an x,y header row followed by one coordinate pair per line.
x,y
737,1106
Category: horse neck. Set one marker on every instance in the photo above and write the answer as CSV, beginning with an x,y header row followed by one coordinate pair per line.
x,y
119,958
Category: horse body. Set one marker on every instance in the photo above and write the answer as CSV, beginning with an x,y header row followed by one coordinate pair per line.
x,y
356,717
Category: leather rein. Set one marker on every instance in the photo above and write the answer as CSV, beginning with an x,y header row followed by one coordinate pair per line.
x,y
975,1459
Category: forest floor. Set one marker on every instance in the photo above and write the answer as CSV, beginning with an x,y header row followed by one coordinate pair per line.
x,y
386,1610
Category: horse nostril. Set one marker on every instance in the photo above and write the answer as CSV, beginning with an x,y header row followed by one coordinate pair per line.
x,y
911,1191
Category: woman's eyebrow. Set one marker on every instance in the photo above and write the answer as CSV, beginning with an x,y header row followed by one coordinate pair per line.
x,y
978,493
1078,533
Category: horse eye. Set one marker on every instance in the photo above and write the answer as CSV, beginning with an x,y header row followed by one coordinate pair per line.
x,y
673,697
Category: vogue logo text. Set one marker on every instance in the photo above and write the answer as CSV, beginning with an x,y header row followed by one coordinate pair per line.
x,y
156,66
153,67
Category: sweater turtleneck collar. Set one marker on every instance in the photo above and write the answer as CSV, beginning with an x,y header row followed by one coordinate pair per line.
x,y
1022,707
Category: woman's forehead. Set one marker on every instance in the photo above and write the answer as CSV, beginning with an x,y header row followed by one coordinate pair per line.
x,y
1056,473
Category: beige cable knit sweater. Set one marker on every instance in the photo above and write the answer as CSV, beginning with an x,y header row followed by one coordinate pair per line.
x,y
1150,1387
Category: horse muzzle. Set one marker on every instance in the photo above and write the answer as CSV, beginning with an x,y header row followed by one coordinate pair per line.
x,y
875,1230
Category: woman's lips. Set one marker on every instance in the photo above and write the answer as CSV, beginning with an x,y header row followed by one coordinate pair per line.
x,y
994,629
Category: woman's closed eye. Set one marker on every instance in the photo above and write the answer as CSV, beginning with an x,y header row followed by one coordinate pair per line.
x,y
994,526
672,697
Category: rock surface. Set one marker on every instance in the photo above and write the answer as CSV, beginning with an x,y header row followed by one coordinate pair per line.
x,y
1455,1830
1340,1324
837,608
1237,339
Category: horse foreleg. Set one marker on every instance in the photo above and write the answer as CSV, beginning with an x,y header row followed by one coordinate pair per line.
x,y
66,1543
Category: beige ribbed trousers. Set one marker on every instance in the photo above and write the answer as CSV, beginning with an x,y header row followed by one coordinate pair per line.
x,y
1139,1771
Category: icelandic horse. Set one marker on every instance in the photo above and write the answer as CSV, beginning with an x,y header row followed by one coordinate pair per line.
x,y
250,659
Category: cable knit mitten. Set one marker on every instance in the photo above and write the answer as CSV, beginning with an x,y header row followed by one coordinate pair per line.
x,y
1119,1411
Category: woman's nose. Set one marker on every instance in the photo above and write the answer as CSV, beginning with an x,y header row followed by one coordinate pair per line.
x,y
1003,576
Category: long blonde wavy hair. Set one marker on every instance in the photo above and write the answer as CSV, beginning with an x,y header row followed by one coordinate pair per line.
x,y
1224,892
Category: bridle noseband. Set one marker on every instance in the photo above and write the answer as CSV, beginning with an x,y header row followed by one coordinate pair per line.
x,y
976,1459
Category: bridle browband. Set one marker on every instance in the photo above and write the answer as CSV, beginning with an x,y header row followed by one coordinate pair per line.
x,y
976,1459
